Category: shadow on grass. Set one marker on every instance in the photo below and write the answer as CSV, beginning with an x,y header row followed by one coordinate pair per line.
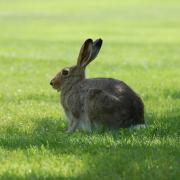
x,y
109,155
106,155
51,133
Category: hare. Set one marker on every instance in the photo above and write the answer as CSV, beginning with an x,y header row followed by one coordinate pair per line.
x,y
90,103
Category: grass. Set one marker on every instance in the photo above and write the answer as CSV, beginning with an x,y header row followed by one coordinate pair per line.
x,y
141,47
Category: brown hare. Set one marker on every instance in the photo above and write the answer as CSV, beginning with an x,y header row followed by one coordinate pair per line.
x,y
90,103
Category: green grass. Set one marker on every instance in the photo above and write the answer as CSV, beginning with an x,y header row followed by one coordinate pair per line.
x,y
141,47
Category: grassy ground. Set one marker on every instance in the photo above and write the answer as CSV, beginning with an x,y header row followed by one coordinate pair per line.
x,y
141,47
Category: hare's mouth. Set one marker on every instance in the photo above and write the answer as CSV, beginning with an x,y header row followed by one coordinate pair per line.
x,y
56,88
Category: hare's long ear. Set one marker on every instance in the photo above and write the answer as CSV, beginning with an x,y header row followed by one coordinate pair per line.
x,y
85,53
96,48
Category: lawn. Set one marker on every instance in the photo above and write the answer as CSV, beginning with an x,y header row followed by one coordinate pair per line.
x,y
141,47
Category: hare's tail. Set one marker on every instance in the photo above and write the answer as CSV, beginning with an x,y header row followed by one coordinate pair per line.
x,y
138,113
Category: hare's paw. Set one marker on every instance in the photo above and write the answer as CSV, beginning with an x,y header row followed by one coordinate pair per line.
x,y
139,126
72,127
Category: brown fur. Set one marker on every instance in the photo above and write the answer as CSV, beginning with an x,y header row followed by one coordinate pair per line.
x,y
89,103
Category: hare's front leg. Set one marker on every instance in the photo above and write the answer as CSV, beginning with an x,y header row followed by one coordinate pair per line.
x,y
84,123
72,122
72,127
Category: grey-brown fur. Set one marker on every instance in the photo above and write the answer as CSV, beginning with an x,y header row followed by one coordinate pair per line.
x,y
89,103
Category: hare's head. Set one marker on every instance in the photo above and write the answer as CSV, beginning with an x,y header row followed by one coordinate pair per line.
x,y
88,52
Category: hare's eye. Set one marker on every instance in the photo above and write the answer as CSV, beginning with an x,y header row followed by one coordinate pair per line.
x,y
65,72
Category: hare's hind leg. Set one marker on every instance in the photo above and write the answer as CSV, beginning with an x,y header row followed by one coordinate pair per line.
x,y
104,109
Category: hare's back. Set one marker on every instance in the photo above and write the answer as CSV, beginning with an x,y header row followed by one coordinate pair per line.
x,y
109,85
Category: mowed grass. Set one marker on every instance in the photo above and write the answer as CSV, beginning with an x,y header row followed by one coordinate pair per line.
x,y
141,47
